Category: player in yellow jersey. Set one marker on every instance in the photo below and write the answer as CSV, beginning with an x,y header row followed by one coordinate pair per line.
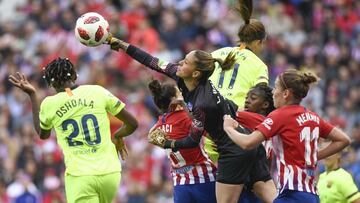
x,y
79,115
234,84
248,71
336,185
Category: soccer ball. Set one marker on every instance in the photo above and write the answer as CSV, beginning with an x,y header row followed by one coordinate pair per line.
x,y
91,29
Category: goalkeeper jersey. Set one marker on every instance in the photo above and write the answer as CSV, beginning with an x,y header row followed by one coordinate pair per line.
x,y
248,71
82,128
337,187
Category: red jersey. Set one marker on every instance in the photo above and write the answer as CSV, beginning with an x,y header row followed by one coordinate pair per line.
x,y
294,132
189,166
251,120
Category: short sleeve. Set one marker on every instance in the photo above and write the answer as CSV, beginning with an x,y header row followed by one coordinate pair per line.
x,y
325,128
263,75
350,192
44,116
113,104
249,119
270,126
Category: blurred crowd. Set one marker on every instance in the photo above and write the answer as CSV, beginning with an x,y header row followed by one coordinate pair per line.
x,y
322,36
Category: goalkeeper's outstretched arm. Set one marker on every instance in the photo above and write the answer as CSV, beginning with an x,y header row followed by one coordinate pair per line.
x,y
144,58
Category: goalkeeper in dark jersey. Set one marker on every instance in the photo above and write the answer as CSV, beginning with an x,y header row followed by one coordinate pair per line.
x,y
208,107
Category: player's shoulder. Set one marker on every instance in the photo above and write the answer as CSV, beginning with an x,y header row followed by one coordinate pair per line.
x,y
247,114
276,112
222,51
343,175
311,112
91,87
251,57
48,100
96,90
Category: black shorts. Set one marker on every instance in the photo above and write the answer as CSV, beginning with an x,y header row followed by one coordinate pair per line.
x,y
236,169
260,170
245,169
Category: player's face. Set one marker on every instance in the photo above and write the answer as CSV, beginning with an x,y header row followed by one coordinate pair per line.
x,y
187,66
254,102
278,93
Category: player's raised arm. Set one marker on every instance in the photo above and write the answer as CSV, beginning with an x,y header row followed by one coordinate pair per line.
x,y
19,80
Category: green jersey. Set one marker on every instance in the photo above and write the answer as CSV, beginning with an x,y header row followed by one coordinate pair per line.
x,y
82,127
248,71
337,187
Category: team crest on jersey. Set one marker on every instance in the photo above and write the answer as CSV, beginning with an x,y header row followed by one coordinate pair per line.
x,y
189,106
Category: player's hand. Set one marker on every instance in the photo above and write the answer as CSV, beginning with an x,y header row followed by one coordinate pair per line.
x,y
157,137
230,122
120,147
20,81
115,44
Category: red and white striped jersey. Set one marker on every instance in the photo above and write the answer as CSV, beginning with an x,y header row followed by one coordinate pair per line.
x,y
294,132
189,166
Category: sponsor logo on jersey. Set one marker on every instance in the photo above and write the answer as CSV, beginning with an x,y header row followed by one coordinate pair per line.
x,y
184,169
267,123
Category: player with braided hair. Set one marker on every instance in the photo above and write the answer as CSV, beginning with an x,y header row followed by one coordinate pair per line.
x,y
59,71
79,115
258,104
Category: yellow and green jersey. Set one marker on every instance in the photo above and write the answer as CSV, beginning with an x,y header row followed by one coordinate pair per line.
x,y
80,119
248,71
337,187
235,83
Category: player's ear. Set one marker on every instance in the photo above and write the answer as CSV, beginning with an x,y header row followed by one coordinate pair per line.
x,y
196,74
287,93
265,105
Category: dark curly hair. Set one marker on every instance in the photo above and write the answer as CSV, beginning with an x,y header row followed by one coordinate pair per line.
x,y
266,94
59,71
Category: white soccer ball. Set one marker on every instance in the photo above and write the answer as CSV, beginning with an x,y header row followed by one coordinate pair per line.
x,y
91,29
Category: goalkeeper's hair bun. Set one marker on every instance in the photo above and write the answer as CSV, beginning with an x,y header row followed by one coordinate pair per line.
x,y
162,94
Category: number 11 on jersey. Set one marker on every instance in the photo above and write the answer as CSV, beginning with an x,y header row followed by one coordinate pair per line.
x,y
310,138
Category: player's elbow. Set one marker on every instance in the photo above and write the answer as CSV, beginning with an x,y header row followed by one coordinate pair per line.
x,y
247,145
343,138
132,126
346,141
44,136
